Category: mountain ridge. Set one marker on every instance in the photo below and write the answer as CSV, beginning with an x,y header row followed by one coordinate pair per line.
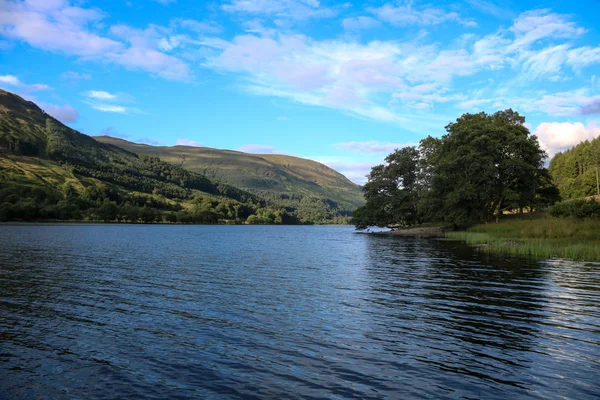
x,y
266,174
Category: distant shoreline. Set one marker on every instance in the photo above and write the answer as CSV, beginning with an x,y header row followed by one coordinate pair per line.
x,y
73,222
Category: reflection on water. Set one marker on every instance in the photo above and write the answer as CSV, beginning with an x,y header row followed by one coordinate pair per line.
x,y
105,311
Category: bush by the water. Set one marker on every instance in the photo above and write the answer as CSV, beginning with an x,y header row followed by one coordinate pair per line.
x,y
579,209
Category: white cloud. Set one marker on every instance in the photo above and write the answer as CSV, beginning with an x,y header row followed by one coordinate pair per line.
x,y
10,80
258,149
371,146
112,108
400,81
59,27
187,142
558,136
110,102
100,95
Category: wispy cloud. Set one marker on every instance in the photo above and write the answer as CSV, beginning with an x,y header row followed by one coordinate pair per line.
x,y
100,95
407,14
110,102
111,108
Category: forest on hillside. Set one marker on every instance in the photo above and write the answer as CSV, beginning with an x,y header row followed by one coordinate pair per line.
x,y
576,172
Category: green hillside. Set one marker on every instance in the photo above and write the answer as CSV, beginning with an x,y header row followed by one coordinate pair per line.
x,y
50,171
284,179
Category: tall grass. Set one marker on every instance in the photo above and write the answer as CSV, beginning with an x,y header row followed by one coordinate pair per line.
x,y
539,238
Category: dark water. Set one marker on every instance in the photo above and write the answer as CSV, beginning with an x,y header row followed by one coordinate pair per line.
x,y
110,311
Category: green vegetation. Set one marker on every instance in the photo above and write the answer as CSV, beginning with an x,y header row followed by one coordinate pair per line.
x,y
485,165
582,208
48,171
542,238
314,191
576,172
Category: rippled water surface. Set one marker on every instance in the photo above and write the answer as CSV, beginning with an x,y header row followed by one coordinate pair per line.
x,y
122,311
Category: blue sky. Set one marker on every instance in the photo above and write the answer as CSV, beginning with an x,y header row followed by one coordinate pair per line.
x,y
343,83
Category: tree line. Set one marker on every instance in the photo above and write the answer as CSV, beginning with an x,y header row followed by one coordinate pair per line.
x,y
102,202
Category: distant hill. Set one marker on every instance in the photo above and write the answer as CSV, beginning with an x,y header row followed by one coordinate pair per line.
x,y
50,171
271,176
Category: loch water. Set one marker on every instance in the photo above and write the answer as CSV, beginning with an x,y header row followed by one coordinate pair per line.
x,y
231,312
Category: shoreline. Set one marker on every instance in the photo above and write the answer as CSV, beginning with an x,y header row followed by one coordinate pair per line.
x,y
424,232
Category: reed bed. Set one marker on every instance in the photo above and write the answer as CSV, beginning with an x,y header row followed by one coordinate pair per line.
x,y
543,238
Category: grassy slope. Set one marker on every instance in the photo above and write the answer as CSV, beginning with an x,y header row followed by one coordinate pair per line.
x,y
259,172
541,238
36,171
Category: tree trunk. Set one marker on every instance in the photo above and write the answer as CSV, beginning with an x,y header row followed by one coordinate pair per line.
x,y
597,182
498,209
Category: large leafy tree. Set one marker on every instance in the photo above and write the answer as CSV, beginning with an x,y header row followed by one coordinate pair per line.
x,y
484,164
